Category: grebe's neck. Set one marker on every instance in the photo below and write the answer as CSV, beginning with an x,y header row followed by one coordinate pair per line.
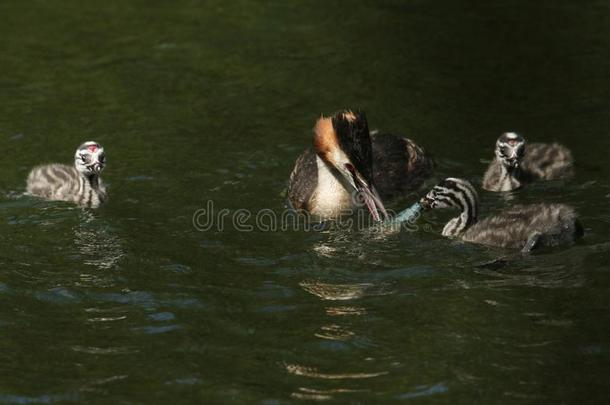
x,y
92,179
510,177
468,217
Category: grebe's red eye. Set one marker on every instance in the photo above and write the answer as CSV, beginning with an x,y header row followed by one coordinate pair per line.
x,y
350,167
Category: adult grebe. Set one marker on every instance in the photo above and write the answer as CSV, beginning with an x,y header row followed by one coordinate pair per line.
x,y
517,163
80,183
326,177
520,226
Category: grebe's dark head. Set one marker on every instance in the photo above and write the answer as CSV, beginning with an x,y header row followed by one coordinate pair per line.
x,y
90,158
343,141
510,149
452,193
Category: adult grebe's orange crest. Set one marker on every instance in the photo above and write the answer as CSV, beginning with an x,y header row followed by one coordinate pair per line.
x,y
325,139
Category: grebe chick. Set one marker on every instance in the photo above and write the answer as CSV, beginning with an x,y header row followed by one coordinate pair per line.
x,y
516,164
520,226
328,179
80,183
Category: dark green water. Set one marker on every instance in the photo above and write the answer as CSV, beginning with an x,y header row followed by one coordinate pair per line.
x,y
213,101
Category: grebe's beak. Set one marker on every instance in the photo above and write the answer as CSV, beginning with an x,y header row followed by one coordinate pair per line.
x,y
513,162
95,167
426,202
373,203
369,194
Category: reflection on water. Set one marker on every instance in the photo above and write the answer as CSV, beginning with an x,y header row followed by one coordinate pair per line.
x,y
337,332
313,372
345,311
342,243
334,332
102,350
321,395
97,244
344,292
97,384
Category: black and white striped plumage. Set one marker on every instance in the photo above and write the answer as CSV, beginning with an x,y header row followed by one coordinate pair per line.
x,y
520,226
80,183
517,163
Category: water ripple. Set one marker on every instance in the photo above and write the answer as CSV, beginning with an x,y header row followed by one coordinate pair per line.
x,y
424,391
312,372
344,292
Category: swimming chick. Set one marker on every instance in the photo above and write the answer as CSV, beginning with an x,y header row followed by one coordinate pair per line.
x,y
80,184
522,227
516,163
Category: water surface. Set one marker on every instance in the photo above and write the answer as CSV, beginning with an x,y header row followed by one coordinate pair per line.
x,y
199,101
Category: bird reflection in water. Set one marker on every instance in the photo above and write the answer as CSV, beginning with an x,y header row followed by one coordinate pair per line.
x,y
96,245
326,394
320,395
314,373
336,330
345,311
344,292
363,246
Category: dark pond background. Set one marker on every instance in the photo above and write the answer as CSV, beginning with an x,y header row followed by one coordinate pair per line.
x,y
200,101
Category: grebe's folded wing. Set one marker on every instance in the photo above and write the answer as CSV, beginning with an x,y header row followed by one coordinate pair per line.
x,y
303,180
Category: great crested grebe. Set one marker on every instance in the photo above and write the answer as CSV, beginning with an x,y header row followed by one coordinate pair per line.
x,y
520,226
346,161
80,183
517,163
